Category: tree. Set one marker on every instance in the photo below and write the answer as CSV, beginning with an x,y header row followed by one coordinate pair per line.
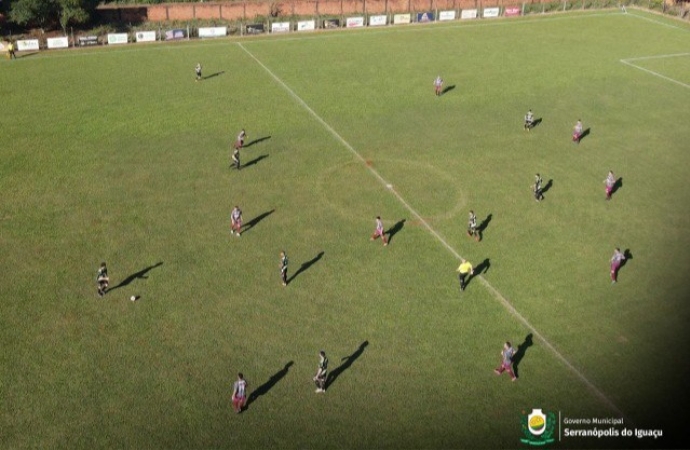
x,y
38,12
71,11
49,13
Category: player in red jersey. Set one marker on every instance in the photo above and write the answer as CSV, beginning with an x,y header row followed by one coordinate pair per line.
x,y
577,132
379,231
438,85
610,182
239,142
236,221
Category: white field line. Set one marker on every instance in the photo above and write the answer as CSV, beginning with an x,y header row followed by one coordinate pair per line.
x,y
642,58
656,74
511,309
658,22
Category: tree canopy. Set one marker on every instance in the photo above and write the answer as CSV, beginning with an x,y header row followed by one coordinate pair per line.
x,y
47,14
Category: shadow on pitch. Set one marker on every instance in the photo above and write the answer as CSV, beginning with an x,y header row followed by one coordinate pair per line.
x,y
484,225
137,275
392,231
268,385
447,89
305,266
213,75
254,161
617,185
628,256
547,186
584,134
347,361
482,267
536,122
520,353
255,221
256,141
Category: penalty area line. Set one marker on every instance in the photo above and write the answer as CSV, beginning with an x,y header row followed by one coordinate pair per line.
x,y
496,294
656,74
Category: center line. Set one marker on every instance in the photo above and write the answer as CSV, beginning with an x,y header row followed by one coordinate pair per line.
x,y
507,305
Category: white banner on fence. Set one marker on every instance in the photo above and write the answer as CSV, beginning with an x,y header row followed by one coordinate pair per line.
x,y
146,36
354,22
468,14
280,27
375,21
117,38
306,25
446,15
213,32
60,42
27,44
490,12
402,18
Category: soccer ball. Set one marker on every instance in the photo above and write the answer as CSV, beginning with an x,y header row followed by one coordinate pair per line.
x,y
133,298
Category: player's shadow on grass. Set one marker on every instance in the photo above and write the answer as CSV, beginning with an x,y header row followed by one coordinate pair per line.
x,y
268,385
447,89
26,55
392,231
305,266
213,75
536,122
547,186
520,353
482,267
254,161
255,221
628,256
484,225
584,134
137,275
617,185
346,363
256,141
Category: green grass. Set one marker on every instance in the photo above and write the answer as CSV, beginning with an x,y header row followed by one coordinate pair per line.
x,y
118,155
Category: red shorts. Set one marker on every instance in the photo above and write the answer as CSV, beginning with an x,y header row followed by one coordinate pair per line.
x,y
238,402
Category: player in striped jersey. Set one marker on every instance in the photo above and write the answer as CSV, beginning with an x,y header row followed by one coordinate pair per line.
x,y
236,158
538,196
610,182
616,261
321,373
283,267
379,231
438,85
236,221
577,131
239,393
102,279
472,227
197,69
529,120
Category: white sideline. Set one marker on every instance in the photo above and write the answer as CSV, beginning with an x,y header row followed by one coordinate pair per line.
x,y
658,22
656,74
434,233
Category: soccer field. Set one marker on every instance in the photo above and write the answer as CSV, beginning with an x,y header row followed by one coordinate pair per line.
x,y
118,155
